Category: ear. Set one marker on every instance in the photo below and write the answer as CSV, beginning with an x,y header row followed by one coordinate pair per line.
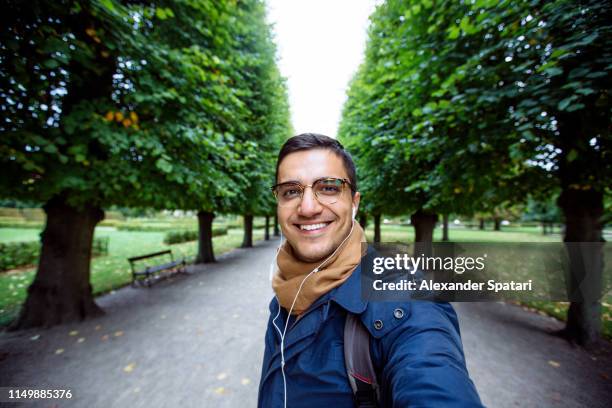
x,y
356,199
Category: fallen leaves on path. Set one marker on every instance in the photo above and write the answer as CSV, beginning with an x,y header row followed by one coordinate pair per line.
x,y
245,381
59,351
222,376
81,339
118,333
219,390
73,333
554,363
129,368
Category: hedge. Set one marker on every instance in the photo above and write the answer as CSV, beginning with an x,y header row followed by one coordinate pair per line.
x,y
145,228
176,237
16,254
21,224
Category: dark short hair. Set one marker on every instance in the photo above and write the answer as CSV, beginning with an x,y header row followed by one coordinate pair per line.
x,y
311,141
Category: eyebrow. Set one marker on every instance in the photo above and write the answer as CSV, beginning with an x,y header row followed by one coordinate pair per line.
x,y
318,178
290,181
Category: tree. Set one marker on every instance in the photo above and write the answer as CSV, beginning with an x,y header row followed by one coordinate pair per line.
x,y
543,210
552,67
131,104
394,115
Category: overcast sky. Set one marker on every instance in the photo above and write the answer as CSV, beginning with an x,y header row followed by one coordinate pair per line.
x,y
320,45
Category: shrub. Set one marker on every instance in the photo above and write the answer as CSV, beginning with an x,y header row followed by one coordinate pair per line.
x,y
33,214
145,228
176,237
10,212
16,254
100,246
16,223
113,215
110,223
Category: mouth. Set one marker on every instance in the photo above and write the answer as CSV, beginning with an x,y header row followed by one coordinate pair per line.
x,y
310,229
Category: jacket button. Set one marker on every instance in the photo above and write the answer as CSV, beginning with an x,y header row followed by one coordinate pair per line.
x,y
398,313
378,324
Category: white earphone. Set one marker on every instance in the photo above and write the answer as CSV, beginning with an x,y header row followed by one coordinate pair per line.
x,y
354,212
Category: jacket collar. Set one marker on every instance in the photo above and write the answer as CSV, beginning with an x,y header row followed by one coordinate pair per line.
x,y
348,295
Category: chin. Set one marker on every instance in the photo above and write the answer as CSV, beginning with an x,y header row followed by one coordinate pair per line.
x,y
313,254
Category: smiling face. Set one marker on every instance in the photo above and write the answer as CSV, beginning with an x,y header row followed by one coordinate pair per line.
x,y
332,222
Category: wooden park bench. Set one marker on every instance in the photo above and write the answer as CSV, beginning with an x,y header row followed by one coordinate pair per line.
x,y
152,272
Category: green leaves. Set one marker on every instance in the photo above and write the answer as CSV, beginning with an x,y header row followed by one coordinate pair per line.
x,y
453,32
438,88
164,164
107,4
163,13
141,104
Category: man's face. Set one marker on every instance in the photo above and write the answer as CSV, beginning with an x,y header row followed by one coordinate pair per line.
x,y
305,167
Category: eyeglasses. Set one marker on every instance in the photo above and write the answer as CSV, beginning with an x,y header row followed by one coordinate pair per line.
x,y
327,190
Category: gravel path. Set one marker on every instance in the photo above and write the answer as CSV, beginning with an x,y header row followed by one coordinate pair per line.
x,y
197,341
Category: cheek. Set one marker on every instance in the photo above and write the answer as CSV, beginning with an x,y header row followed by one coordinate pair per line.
x,y
344,213
283,215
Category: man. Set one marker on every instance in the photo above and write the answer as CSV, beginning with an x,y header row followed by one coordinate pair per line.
x,y
415,347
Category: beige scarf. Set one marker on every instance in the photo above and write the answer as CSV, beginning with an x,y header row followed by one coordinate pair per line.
x,y
291,272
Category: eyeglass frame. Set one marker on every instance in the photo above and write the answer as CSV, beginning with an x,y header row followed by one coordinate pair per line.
x,y
303,187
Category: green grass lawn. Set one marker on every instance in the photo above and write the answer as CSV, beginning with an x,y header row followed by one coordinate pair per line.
x,y
107,272
405,233
19,234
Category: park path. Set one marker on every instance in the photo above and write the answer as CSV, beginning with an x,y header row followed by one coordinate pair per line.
x,y
197,341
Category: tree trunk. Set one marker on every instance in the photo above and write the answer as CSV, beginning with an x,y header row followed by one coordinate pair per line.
x,y
543,228
206,252
267,231
424,223
497,224
582,210
247,241
61,291
377,228
445,228
276,231
481,226
582,207
363,221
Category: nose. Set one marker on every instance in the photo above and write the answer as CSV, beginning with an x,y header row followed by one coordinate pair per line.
x,y
309,206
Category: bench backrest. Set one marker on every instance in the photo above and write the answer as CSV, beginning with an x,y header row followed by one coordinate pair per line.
x,y
138,258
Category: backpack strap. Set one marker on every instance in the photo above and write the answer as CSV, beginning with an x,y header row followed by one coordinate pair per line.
x,y
358,361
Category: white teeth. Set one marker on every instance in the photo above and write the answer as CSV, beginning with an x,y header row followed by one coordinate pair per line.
x,y
313,226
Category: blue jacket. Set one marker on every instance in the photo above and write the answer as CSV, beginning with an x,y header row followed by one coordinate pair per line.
x,y
418,357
